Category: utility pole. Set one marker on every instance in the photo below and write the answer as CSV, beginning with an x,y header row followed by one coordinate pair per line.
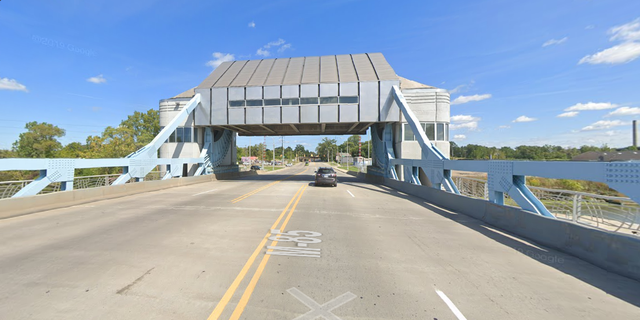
x,y
282,138
273,163
348,154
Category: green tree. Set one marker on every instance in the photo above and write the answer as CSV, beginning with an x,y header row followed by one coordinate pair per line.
x,y
324,147
143,126
72,150
40,141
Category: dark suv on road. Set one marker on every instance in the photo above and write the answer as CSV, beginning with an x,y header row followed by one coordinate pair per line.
x,y
254,167
326,175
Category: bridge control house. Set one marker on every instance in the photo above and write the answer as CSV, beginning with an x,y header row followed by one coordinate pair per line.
x,y
328,95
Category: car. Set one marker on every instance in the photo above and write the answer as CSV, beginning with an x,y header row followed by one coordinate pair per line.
x,y
326,176
289,165
255,167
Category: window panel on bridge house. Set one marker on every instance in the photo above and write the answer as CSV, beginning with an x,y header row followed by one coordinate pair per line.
x,y
272,102
348,99
313,100
236,103
295,101
328,100
255,103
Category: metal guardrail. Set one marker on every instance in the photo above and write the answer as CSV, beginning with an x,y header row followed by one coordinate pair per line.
x,y
617,214
9,188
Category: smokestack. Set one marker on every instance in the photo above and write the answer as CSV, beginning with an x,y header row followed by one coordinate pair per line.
x,y
635,134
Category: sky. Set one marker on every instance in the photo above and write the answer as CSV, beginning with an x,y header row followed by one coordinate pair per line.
x,y
519,72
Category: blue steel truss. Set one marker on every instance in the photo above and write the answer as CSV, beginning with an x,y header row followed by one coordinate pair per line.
x,y
135,166
509,177
504,177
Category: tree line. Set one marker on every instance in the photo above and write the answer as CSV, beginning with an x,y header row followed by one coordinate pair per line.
x,y
41,141
546,152
328,148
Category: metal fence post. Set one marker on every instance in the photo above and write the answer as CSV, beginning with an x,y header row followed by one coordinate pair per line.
x,y
574,216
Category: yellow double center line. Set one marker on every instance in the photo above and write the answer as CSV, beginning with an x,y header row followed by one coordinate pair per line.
x,y
256,276
249,194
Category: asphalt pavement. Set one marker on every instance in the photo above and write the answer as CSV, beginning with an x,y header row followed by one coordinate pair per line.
x,y
274,246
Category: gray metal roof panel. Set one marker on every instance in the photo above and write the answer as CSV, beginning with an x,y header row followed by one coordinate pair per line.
x,y
364,68
262,71
301,70
245,74
311,71
215,75
294,71
346,70
328,69
277,72
382,67
230,75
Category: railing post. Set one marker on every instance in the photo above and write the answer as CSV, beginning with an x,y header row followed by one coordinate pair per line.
x,y
574,216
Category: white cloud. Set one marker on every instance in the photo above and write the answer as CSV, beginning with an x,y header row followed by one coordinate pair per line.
x,y
284,47
569,114
459,137
96,109
604,124
97,80
462,87
628,51
591,106
554,42
262,52
467,125
463,118
504,127
475,97
220,58
274,43
589,27
622,53
624,111
523,119
280,44
252,24
12,84
464,121
626,32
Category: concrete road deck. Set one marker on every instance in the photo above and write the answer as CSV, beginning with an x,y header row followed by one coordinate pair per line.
x,y
368,252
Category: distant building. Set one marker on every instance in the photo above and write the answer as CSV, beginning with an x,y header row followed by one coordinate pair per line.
x,y
608,156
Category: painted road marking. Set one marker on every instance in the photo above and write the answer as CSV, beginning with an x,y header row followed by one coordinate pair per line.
x,y
318,310
294,252
249,194
351,193
303,241
451,306
197,194
256,276
234,286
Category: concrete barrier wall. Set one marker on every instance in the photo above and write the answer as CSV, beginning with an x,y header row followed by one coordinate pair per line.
x,y
13,207
614,252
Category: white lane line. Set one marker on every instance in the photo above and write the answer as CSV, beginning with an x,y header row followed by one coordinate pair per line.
x,y
197,194
451,306
351,193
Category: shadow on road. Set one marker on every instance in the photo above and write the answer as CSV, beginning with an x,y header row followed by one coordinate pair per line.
x,y
621,287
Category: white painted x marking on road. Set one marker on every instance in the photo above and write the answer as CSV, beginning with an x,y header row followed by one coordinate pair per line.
x,y
318,310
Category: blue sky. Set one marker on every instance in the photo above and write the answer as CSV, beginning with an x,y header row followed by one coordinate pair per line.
x,y
512,66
